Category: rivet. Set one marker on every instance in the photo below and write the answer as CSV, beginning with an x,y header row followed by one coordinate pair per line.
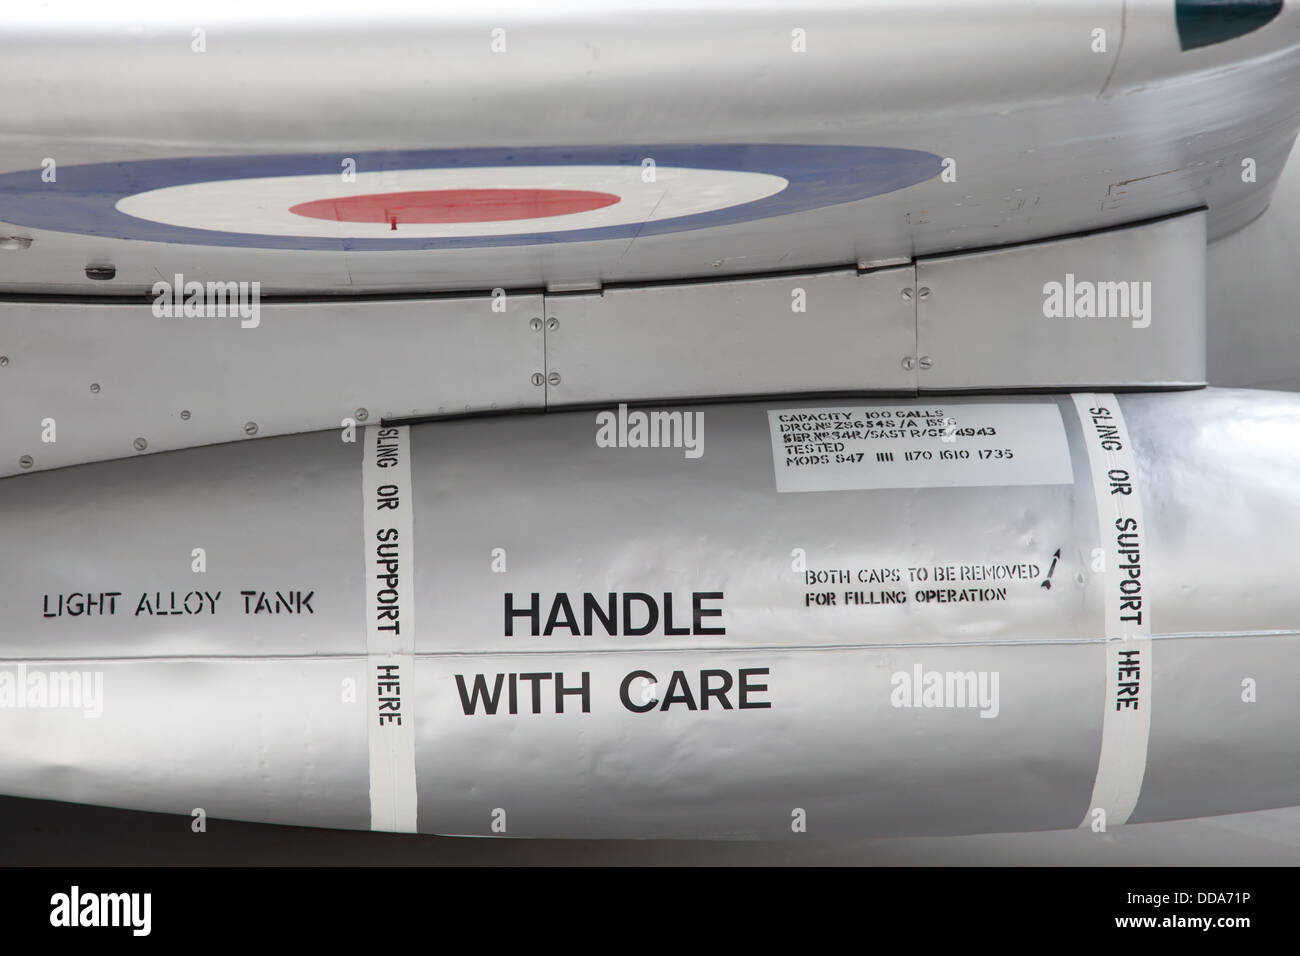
x,y
15,242
140,444
361,414
101,270
923,292
185,414
4,360
907,295
909,363
553,378
552,323
535,324
538,378
924,361
250,428
25,461
94,388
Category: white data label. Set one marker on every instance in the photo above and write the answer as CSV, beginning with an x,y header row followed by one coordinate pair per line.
x,y
848,447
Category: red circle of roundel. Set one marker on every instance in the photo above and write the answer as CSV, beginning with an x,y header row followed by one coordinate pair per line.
x,y
456,205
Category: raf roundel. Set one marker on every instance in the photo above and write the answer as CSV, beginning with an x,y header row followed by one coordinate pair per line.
x,y
453,198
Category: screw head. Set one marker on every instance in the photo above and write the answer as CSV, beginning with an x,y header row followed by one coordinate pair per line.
x,y
101,270
140,444
552,323
94,388
361,414
185,414
923,292
538,378
535,324
553,378
4,360
25,461
909,362
924,361
250,428
907,295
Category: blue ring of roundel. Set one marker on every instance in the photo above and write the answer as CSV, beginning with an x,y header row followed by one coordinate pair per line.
x,y
83,198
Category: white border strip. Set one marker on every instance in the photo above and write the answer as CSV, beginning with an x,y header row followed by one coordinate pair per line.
x,y
1126,726
390,626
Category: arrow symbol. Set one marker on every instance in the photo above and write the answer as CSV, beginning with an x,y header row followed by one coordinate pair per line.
x,y
1055,557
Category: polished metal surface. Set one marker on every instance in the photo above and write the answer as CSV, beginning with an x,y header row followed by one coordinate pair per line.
x,y
824,332
1012,316
1051,132
1214,455
246,713
117,380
